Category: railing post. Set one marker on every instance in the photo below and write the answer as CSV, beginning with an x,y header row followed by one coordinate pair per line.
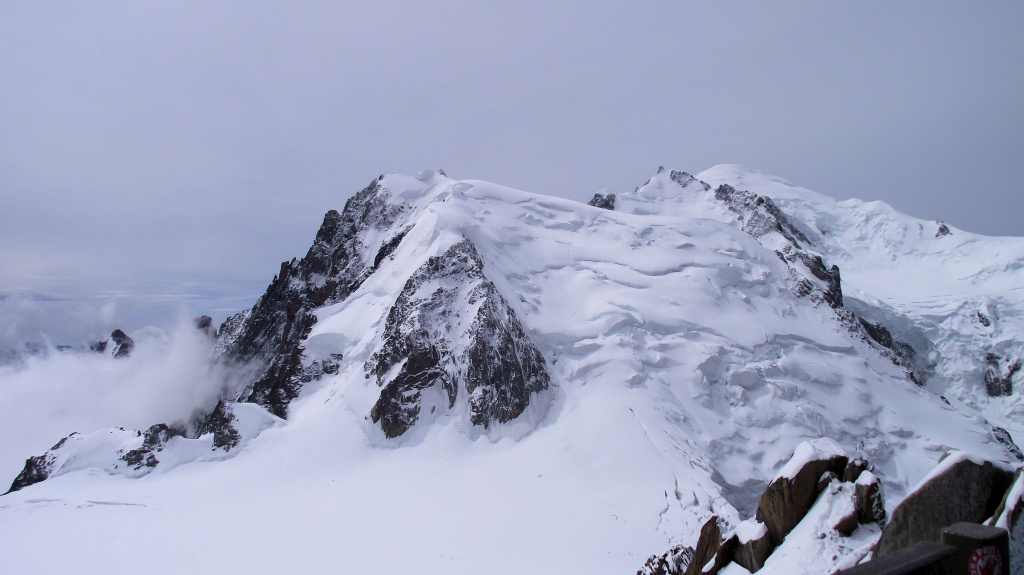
x,y
980,549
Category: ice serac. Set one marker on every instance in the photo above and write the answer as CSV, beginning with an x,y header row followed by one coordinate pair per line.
x,y
451,337
268,337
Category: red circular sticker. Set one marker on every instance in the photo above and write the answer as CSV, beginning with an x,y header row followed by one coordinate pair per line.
x,y
985,561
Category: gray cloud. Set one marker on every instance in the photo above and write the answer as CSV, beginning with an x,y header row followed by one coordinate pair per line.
x,y
156,153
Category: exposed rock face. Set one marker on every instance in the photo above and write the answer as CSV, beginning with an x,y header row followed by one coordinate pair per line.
x,y
606,201
999,381
220,423
787,500
752,554
760,217
964,491
684,179
204,323
153,441
942,230
451,330
270,333
123,345
760,214
37,468
854,468
818,466
120,345
868,499
672,562
1003,436
899,352
708,544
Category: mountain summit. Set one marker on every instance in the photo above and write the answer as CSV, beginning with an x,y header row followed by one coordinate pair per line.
x,y
460,377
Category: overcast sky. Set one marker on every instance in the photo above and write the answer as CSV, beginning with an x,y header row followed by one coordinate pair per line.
x,y
160,159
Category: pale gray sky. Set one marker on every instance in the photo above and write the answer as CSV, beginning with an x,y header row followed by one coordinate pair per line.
x,y
159,158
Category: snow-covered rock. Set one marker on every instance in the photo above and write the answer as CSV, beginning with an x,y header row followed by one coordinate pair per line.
x,y
960,488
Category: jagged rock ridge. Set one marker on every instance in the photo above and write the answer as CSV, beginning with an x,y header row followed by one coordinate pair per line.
x,y
271,333
485,355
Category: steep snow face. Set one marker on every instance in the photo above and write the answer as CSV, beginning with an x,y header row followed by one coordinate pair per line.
x,y
955,296
494,381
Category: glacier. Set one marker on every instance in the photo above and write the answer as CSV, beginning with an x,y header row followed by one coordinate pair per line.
x,y
461,377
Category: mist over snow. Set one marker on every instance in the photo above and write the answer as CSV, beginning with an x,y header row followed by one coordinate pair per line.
x,y
167,377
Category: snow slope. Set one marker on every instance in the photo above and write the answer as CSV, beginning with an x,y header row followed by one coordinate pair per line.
x,y
687,361
957,296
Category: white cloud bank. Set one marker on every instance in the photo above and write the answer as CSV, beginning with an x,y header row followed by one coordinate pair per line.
x,y
165,379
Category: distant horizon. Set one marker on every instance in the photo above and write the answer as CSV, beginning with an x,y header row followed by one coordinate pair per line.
x,y
94,315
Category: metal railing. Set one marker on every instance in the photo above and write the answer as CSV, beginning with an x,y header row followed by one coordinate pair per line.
x,y
964,549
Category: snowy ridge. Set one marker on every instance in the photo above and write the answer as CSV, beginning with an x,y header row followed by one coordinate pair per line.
x,y
653,365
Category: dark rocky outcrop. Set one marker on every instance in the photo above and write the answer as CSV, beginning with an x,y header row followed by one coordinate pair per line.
x,y
868,499
708,544
672,562
984,319
487,355
760,215
154,440
684,179
899,352
1004,437
833,290
999,381
37,468
220,423
270,334
121,345
603,201
965,491
787,500
942,230
204,323
783,506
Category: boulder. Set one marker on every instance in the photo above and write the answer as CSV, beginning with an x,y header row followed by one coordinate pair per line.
x,y
868,499
795,489
960,489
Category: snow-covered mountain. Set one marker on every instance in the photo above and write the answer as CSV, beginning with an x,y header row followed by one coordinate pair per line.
x,y
460,377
